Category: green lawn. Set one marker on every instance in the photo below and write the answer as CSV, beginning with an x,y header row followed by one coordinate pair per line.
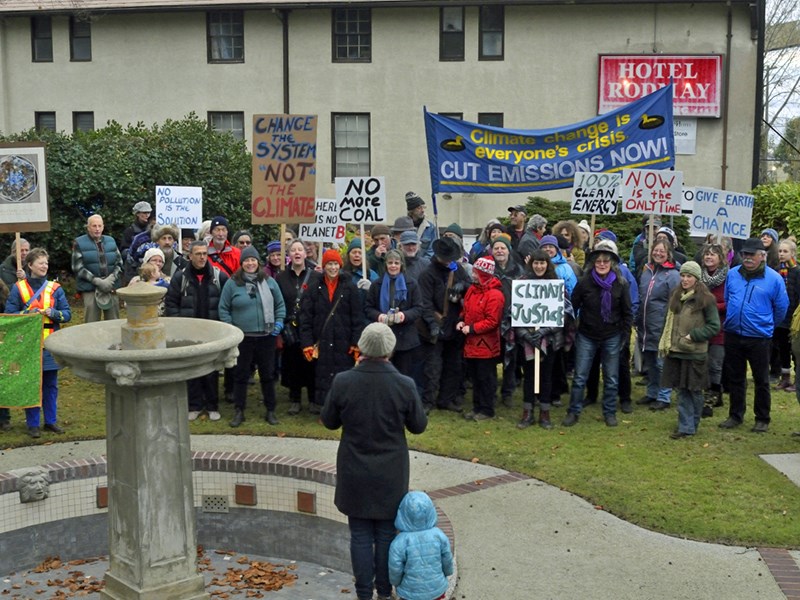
x,y
712,487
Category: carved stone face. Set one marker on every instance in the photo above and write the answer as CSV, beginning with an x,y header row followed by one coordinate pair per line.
x,y
34,486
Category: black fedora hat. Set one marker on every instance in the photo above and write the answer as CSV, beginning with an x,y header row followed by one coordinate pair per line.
x,y
446,250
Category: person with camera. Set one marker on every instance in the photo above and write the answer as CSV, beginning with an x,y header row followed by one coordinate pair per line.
x,y
296,372
442,287
395,301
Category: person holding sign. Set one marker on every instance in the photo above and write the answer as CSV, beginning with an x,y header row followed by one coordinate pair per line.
x,y
692,320
480,326
38,295
603,305
10,272
549,340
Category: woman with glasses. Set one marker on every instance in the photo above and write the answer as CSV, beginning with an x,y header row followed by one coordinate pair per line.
x,y
602,303
252,301
659,277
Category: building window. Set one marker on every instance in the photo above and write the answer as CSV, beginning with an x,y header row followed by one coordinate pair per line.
x,y
352,35
492,119
459,116
351,145
82,121
491,32
42,39
451,33
45,121
225,36
227,122
80,39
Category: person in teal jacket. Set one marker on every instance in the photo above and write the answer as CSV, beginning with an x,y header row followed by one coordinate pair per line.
x,y
252,301
420,559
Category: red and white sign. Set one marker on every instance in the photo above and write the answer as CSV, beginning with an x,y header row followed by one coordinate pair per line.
x,y
624,78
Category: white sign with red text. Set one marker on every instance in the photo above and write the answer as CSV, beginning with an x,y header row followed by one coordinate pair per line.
x,y
698,82
651,191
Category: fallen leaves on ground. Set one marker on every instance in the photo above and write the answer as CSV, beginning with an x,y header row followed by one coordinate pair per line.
x,y
257,577
76,584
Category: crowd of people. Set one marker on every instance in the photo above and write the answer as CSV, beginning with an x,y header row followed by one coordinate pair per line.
x,y
690,325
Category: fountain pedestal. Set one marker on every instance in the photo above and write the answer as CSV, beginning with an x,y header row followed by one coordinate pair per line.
x,y
144,364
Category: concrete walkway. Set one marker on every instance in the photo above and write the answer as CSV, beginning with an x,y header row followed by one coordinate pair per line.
x,y
519,538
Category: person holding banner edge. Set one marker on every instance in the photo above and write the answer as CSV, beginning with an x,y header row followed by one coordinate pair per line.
x,y
38,295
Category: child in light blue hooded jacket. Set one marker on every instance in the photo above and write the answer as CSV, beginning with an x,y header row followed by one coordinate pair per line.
x,y
419,558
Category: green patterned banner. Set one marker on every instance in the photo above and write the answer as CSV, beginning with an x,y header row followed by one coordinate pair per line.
x,y
20,361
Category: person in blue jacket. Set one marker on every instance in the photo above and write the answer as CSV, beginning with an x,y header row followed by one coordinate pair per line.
x,y
420,559
252,301
37,294
756,301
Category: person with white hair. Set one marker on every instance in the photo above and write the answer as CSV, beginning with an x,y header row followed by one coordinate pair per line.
x,y
374,405
97,265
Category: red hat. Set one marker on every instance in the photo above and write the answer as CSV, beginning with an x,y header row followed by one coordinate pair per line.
x,y
331,255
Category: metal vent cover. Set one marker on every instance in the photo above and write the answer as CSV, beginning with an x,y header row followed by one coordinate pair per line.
x,y
215,504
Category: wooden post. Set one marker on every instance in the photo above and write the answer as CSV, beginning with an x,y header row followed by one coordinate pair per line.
x,y
283,247
17,245
591,235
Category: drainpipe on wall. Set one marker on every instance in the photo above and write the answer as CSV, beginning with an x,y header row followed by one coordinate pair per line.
x,y
726,95
283,16
760,27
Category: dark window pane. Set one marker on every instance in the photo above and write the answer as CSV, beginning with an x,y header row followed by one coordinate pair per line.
x,y
451,33
492,119
80,39
225,36
82,121
45,121
352,34
491,32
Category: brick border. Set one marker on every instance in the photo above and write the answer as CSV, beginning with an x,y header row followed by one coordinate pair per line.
x,y
784,570
254,464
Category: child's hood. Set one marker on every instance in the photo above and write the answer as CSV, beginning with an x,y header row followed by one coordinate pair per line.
x,y
416,513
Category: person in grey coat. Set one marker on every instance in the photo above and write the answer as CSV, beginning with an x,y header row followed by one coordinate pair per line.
x,y
373,404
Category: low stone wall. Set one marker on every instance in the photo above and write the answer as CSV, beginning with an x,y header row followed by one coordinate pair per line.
x,y
251,503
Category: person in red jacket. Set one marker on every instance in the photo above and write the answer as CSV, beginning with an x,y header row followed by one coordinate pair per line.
x,y
220,252
480,325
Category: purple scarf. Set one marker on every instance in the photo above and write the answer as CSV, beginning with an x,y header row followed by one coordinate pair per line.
x,y
605,293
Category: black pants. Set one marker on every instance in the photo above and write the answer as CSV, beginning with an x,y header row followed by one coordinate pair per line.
x,y
261,349
739,351
547,364
203,392
444,372
484,384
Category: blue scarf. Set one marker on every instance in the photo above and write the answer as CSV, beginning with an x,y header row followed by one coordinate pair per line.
x,y
605,293
400,291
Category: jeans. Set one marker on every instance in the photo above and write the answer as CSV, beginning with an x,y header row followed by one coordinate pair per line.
x,y
654,363
739,351
49,404
690,408
585,350
716,359
369,554
624,384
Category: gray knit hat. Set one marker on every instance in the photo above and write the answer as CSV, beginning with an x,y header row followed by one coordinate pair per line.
x,y
377,340
691,268
249,252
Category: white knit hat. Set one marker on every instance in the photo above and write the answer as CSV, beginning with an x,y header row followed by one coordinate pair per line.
x,y
376,340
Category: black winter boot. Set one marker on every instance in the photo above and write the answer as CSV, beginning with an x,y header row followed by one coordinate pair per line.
x,y
544,419
238,418
527,416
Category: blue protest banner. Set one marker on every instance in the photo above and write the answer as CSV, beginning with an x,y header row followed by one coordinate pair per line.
x,y
468,157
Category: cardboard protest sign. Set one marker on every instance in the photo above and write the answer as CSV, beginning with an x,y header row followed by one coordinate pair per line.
x,y
181,206
284,168
361,199
722,212
21,360
652,192
481,159
537,303
327,227
23,188
595,193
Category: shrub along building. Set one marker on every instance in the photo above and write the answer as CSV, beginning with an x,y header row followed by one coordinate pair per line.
x,y
367,69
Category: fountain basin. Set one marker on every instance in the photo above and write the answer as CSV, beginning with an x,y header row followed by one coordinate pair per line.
x,y
195,347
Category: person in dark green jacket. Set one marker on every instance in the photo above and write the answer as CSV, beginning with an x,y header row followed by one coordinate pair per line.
x,y
692,320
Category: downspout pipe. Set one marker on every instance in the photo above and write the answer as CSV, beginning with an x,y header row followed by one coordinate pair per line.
x,y
759,112
283,15
727,95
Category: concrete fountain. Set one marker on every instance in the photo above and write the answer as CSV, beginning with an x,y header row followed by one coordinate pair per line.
x,y
144,364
